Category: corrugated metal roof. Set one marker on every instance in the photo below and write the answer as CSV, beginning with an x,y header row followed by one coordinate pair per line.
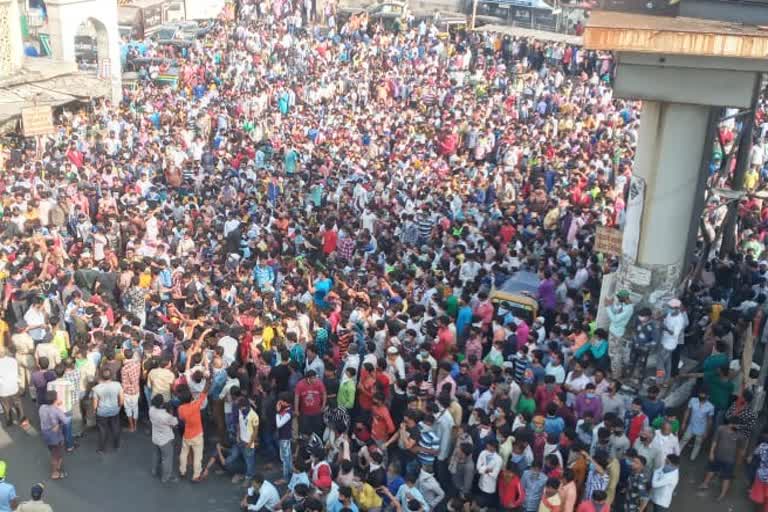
x,y
625,32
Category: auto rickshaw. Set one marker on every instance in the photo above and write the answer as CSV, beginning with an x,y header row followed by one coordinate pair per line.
x,y
517,296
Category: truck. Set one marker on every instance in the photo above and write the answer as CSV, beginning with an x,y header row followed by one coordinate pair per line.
x,y
141,18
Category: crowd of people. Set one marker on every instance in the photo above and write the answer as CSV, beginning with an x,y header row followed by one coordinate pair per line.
x,y
291,255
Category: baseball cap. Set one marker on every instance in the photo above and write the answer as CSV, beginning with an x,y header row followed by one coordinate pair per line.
x,y
37,491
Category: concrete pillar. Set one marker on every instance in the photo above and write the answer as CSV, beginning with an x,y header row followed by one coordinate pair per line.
x,y
11,43
671,145
669,160
669,157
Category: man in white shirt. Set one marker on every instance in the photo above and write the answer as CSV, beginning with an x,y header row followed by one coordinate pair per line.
x,y
488,467
671,332
35,319
260,495
664,482
9,387
667,441
576,381
229,345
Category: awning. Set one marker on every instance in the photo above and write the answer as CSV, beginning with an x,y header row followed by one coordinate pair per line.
x,y
54,91
541,35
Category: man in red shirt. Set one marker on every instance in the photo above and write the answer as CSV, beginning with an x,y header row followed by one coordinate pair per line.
x,y
309,402
330,237
382,426
445,338
189,413
383,381
366,387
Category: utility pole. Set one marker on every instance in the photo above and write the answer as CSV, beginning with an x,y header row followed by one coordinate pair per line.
x,y
474,14
742,164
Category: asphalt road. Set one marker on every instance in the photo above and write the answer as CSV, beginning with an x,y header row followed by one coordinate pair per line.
x,y
121,482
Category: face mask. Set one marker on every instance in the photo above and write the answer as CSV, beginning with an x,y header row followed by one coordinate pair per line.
x,y
590,395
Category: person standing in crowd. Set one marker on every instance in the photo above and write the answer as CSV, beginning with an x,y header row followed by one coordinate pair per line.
x,y
726,445
533,482
697,422
758,493
671,331
130,374
10,394
108,399
309,401
53,421
488,468
192,441
8,499
620,313
163,423
664,482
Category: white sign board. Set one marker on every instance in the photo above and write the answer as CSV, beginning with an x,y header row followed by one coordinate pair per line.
x,y
639,276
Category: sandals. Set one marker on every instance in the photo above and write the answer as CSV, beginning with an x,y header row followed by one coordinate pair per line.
x,y
60,476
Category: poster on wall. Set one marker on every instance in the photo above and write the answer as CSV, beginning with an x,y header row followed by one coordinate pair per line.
x,y
607,290
635,204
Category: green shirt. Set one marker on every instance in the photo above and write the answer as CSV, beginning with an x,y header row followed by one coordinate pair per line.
x,y
526,405
713,362
452,306
720,391
659,421
346,395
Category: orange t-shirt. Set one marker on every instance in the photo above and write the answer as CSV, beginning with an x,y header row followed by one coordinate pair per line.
x,y
190,415
578,340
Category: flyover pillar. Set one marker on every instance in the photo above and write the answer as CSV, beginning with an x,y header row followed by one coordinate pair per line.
x,y
683,70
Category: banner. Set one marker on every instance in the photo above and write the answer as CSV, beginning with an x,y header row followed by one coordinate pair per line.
x,y
37,121
633,218
608,241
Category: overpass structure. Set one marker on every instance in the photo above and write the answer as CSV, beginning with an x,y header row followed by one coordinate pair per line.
x,y
684,70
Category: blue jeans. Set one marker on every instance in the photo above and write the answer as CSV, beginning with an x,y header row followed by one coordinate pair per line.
x,y
286,458
269,443
66,429
248,455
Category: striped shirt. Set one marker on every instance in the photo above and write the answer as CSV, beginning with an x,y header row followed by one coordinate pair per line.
x,y
425,225
595,482
429,441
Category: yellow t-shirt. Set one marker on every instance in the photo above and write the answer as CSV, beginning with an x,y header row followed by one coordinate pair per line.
x,y
145,280
750,179
3,330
